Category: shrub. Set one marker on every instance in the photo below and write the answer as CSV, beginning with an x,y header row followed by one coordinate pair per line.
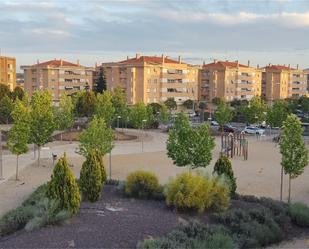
x,y
47,213
102,168
189,192
63,187
142,184
90,178
36,196
299,213
216,240
220,193
224,166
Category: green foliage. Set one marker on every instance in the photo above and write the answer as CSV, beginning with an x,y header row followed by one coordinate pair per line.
x,y
220,193
189,192
187,146
216,100
84,102
223,114
4,91
299,213
164,115
90,181
277,114
292,147
141,116
120,102
6,107
253,227
47,213
142,184
188,104
63,187
104,107
42,119
215,240
64,117
97,136
101,82
101,165
18,93
224,166
255,111
170,104
202,105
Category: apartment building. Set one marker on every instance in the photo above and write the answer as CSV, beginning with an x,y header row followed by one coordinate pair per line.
x,y
57,76
281,82
8,71
229,80
153,79
307,75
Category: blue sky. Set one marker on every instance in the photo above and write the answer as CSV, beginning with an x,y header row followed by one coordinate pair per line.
x,y
262,31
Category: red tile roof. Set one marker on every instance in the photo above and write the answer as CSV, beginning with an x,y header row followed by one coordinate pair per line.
x,y
56,63
149,59
279,67
224,64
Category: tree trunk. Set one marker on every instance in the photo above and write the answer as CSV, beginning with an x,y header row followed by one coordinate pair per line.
x,y
289,198
16,176
39,155
281,185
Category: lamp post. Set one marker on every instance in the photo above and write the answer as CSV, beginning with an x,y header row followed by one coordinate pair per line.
x,y
118,117
142,137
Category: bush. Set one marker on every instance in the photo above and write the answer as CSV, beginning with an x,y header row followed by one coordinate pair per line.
x,y
63,187
142,184
36,196
224,166
299,213
189,192
90,180
102,168
220,193
216,240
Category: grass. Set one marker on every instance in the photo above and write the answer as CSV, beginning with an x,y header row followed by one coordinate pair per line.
x,y
299,213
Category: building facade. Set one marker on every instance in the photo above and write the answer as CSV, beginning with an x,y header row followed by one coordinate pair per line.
x,y
281,82
229,81
152,79
8,71
57,76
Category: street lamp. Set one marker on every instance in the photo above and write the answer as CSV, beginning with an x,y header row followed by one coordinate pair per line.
x,y
118,117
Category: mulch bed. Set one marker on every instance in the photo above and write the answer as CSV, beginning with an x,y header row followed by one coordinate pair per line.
x,y
115,222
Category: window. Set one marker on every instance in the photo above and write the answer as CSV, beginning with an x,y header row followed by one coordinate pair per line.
x,y
148,90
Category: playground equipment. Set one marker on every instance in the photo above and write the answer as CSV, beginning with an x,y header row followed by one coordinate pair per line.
x,y
234,145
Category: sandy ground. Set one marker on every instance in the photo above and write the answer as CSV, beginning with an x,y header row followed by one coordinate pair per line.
x,y
259,175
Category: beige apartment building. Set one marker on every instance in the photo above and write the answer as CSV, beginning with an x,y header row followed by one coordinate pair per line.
x,y
8,71
57,76
229,80
281,82
153,79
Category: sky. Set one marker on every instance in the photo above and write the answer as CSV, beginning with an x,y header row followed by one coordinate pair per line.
x,y
262,31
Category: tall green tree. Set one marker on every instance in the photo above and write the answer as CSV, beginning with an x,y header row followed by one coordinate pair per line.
x,y
140,116
293,150
4,91
119,101
164,115
84,102
223,114
64,117
171,104
18,93
104,107
97,136
6,108
188,104
42,123
278,113
101,82
187,146
255,111
20,131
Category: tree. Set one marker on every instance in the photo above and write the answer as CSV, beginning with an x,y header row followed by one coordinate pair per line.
x,y
277,114
140,116
255,111
188,104
4,91
187,146
91,178
101,82
164,115
304,104
6,107
223,114
104,107
63,188
171,104
84,103
64,117
293,104
42,123
20,131
293,150
216,100
97,136
18,93
224,166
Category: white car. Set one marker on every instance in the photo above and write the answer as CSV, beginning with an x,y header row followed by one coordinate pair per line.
x,y
253,130
214,123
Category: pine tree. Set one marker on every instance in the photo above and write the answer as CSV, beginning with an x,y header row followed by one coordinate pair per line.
x,y
63,187
101,82
90,177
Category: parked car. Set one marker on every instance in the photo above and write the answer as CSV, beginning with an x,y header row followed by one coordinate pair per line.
x,y
254,130
214,123
228,128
